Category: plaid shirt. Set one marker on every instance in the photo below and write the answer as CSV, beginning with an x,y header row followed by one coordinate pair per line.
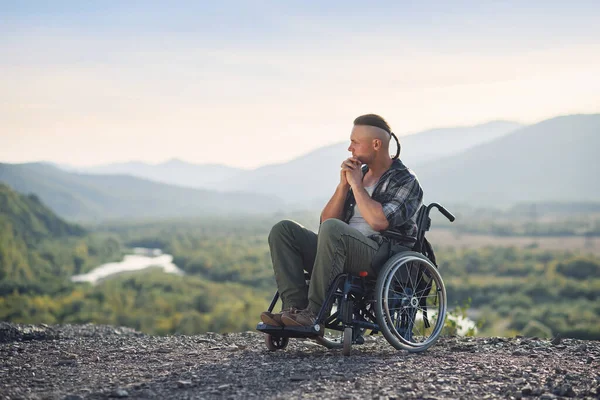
x,y
399,192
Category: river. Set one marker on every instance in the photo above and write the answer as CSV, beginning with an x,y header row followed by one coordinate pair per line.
x,y
141,258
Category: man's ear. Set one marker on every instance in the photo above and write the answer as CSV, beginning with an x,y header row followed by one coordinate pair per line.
x,y
376,144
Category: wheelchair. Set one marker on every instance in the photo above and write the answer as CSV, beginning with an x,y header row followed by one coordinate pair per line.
x,y
406,301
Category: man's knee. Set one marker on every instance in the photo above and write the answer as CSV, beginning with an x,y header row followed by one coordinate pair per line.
x,y
282,228
331,227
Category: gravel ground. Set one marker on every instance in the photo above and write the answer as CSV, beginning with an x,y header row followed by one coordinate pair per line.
x,y
100,362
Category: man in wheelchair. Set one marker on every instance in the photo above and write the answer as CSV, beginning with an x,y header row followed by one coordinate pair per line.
x,y
376,193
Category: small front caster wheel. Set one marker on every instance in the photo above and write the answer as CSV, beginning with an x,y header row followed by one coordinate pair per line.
x,y
347,341
276,343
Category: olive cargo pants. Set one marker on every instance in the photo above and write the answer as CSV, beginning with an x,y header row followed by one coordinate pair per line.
x,y
335,249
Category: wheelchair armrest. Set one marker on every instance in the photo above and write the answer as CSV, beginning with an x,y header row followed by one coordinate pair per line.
x,y
397,236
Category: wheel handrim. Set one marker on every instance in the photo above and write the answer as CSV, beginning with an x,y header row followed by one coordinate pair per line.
x,y
404,303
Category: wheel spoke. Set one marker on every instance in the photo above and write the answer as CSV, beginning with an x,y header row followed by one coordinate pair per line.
x,y
410,287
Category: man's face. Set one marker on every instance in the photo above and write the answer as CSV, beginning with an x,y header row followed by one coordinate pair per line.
x,y
361,144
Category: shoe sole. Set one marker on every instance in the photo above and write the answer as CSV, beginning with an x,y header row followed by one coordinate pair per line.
x,y
287,321
269,321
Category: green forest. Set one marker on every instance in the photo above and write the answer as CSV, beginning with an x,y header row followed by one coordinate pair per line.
x,y
228,277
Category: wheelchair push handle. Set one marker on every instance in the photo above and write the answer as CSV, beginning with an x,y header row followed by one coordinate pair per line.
x,y
441,209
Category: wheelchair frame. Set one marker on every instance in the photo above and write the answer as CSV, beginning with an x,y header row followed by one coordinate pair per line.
x,y
388,303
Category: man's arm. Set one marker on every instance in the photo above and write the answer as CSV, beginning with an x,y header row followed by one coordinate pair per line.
x,y
403,201
335,207
371,210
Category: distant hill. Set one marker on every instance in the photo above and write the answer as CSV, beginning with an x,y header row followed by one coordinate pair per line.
x,y
554,160
434,144
312,178
30,219
27,227
99,197
174,172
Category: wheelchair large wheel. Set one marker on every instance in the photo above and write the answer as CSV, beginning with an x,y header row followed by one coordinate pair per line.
x,y
410,302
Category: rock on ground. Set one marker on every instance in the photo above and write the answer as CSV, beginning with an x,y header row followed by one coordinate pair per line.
x,y
102,362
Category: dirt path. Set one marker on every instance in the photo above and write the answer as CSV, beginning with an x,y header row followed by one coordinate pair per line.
x,y
99,362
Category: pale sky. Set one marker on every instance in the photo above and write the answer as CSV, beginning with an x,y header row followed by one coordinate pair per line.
x,y
251,83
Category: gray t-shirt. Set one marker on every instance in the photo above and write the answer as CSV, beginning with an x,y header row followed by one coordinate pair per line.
x,y
358,222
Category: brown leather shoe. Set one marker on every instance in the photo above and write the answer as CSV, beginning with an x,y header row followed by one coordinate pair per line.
x,y
274,319
300,318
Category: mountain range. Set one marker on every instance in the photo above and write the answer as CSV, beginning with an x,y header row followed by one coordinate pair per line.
x,y
553,160
173,172
311,179
98,197
496,164
307,180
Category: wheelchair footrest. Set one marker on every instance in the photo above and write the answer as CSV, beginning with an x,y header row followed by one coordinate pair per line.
x,y
291,331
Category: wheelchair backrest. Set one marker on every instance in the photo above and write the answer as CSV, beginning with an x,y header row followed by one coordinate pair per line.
x,y
422,245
